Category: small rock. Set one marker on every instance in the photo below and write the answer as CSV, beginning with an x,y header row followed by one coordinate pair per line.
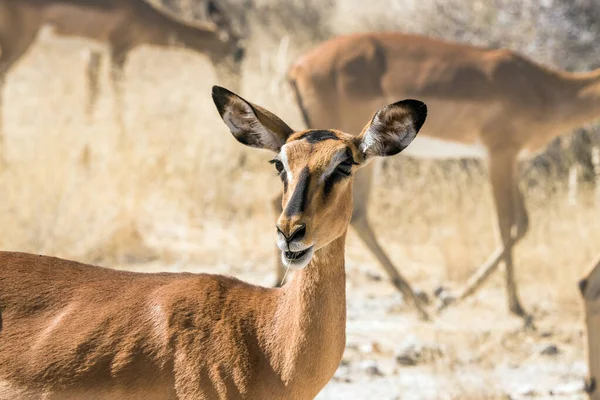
x,y
370,348
546,334
526,391
342,373
373,276
370,367
407,359
343,379
377,348
413,352
550,350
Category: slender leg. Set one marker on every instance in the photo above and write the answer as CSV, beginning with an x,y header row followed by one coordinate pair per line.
x,y
512,222
366,234
93,74
118,60
279,268
521,226
360,223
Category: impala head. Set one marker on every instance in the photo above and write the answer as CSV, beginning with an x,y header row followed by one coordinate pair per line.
x,y
316,167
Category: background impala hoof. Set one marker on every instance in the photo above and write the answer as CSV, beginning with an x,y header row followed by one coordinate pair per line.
x,y
444,298
422,296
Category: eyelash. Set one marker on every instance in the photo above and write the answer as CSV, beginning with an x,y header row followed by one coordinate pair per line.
x,y
347,170
279,166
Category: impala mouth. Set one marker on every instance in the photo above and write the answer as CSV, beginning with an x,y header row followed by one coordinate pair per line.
x,y
297,259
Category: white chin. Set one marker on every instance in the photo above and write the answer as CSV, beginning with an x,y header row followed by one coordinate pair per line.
x,y
293,261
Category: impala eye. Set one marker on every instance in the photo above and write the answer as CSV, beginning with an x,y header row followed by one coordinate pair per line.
x,y
345,167
278,165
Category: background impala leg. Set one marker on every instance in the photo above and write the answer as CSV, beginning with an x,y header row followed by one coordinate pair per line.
x,y
117,75
518,231
2,160
513,223
93,75
360,222
365,232
477,279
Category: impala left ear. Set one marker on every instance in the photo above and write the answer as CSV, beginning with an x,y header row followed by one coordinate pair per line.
x,y
250,124
392,129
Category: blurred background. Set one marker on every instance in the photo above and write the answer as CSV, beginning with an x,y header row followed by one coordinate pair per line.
x,y
176,192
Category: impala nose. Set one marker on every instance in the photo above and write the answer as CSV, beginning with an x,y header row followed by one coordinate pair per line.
x,y
297,234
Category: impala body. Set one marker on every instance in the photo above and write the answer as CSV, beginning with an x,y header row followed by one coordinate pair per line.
x,y
489,104
76,331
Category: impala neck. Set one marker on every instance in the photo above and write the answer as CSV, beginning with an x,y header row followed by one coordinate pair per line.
x,y
577,99
310,319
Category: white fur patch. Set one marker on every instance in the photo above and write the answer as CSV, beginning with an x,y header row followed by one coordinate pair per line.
x,y
286,165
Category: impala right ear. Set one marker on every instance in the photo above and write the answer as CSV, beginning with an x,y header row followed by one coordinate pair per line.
x,y
392,129
250,124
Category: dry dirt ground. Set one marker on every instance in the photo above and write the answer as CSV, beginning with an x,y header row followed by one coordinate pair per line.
x,y
178,194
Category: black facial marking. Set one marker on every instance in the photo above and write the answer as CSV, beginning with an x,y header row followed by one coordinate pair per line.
x,y
297,202
285,182
350,156
331,181
329,185
339,173
313,137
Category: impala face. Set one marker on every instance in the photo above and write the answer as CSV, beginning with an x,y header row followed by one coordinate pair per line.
x,y
316,167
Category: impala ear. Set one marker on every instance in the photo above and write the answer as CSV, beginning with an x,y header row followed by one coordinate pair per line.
x,y
250,124
392,129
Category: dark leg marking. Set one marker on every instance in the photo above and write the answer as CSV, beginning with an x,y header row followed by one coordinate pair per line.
x,y
297,202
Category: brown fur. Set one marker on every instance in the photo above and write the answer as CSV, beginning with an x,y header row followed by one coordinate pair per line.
x,y
72,331
502,100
